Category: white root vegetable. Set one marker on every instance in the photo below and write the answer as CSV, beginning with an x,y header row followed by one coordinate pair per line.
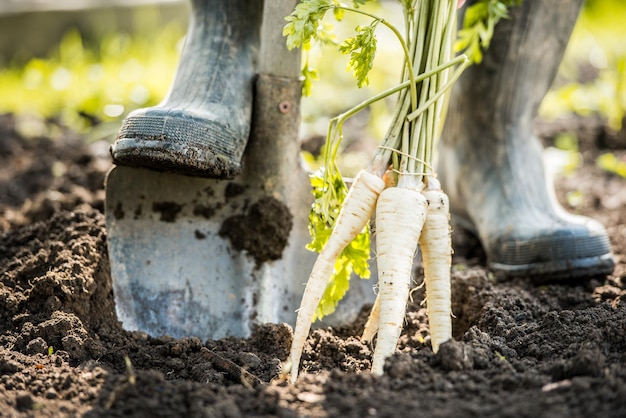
x,y
406,152
436,247
356,211
373,321
400,215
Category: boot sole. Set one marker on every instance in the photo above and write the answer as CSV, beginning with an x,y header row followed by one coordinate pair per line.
x,y
556,270
179,142
550,259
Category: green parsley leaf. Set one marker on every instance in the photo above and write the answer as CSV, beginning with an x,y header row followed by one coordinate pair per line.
x,y
362,51
303,23
309,74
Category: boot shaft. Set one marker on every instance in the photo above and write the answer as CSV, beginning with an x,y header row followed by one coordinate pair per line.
x,y
506,89
223,36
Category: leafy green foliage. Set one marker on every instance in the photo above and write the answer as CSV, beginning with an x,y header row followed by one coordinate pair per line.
x,y
81,86
353,259
569,158
309,74
478,25
610,163
362,51
592,75
305,24
330,191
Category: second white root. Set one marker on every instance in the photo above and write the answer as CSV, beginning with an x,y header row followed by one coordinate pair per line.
x,y
400,215
373,321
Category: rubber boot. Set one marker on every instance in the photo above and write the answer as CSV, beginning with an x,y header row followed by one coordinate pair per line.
x,y
202,127
490,163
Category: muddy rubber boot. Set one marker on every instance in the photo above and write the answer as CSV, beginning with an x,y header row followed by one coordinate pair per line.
x,y
202,127
490,163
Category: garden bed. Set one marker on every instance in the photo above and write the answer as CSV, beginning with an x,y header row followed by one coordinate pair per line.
x,y
556,350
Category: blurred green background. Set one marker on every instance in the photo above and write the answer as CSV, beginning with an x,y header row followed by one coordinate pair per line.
x,y
86,67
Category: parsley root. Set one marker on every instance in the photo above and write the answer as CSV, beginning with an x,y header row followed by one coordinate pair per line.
x,y
405,216
356,211
373,322
400,215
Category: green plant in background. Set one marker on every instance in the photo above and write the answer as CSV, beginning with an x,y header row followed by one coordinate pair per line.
x,y
479,22
592,77
563,159
81,87
567,143
610,163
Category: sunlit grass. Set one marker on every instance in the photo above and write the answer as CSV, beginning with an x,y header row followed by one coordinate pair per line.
x,y
592,77
81,87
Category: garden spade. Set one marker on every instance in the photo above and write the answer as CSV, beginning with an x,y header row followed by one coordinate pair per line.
x,y
210,258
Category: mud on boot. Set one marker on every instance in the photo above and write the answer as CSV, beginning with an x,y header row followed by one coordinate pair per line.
x,y
202,127
490,163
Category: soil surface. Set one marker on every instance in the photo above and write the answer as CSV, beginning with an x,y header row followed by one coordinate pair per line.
x,y
520,350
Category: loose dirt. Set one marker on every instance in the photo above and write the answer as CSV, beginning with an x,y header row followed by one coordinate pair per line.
x,y
520,350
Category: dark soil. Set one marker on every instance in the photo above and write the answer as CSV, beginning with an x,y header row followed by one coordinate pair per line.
x,y
520,350
263,232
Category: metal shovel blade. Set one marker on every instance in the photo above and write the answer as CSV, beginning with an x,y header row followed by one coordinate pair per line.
x,y
173,272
